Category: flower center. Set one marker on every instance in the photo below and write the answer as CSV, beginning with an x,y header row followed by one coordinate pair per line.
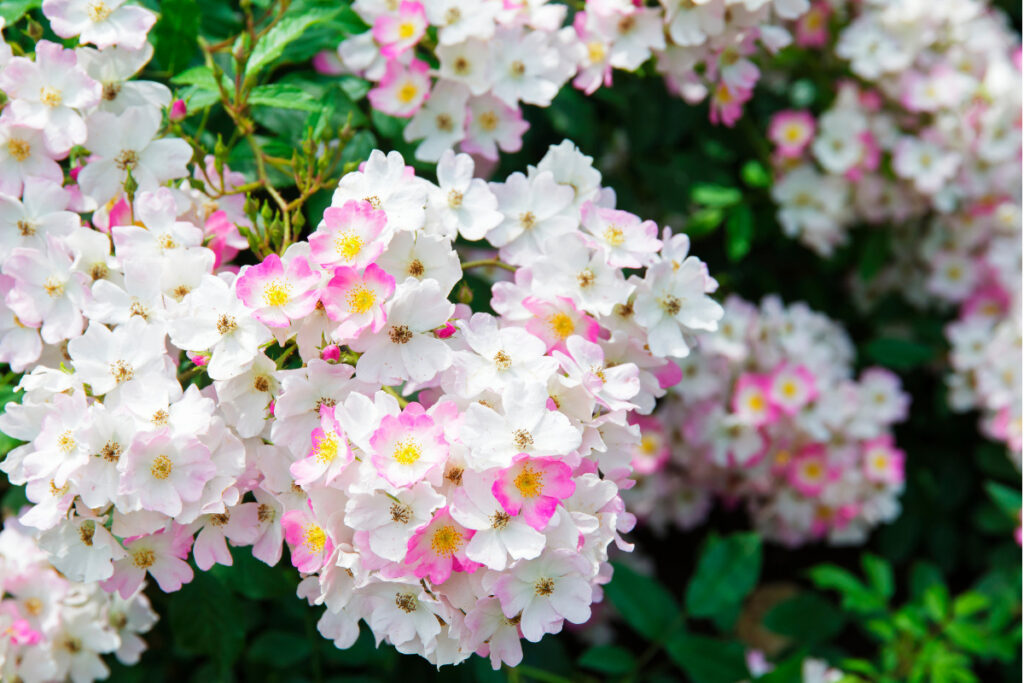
x,y
670,304
789,389
500,520
315,539
144,558
327,449
226,324
756,403
66,442
261,383
87,531
19,149
126,159
277,293
527,220
648,445
502,360
585,278
348,245
488,121
400,334
561,325
361,299
416,268
121,371
407,93
401,513
53,286
50,96
161,467
26,228
454,199
596,51
446,540
544,586
111,451
407,452
406,30
523,439
406,602
98,11
613,236
529,482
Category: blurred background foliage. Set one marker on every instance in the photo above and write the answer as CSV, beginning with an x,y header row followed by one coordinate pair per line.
x,y
935,596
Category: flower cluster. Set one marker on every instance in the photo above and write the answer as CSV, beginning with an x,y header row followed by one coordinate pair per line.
x,y
492,56
930,142
55,629
452,478
768,415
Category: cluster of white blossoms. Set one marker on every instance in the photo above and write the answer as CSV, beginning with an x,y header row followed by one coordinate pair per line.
x,y
930,143
768,415
492,56
55,629
452,478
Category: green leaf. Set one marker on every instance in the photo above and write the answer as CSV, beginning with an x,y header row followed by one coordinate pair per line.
x,y
288,29
716,195
176,34
936,601
855,595
12,10
703,222
923,575
205,618
901,354
968,637
646,605
739,232
201,76
253,579
969,603
390,127
807,618
279,649
608,659
879,574
283,97
1008,499
708,660
874,255
726,572
755,174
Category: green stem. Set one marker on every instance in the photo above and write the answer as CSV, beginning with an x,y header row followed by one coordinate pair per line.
x,y
482,263
286,355
401,401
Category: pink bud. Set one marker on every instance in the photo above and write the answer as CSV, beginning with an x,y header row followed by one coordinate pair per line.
x,y
198,358
178,110
445,331
331,354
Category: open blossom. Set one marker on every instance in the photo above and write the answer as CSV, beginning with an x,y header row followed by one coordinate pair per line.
x,y
396,33
402,90
100,22
163,472
408,447
309,541
278,294
439,548
350,235
356,300
533,488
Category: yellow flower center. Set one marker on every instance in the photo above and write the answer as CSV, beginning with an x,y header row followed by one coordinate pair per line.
x,y
51,97
361,299
348,245
161,467
613,236
596,51
561,325
327,449
143,558
19,149
34,606
756,403
54,287
98,11
66,442
488,121
406,30
277,293
813,470
314,539
789,389
446,540
529,482
648,445
782,458
407,93
407,452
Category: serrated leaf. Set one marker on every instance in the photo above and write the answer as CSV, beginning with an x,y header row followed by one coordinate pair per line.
x,y
288,29
708,660
176,34
283,97
608,659
739,232
646,605
726,572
